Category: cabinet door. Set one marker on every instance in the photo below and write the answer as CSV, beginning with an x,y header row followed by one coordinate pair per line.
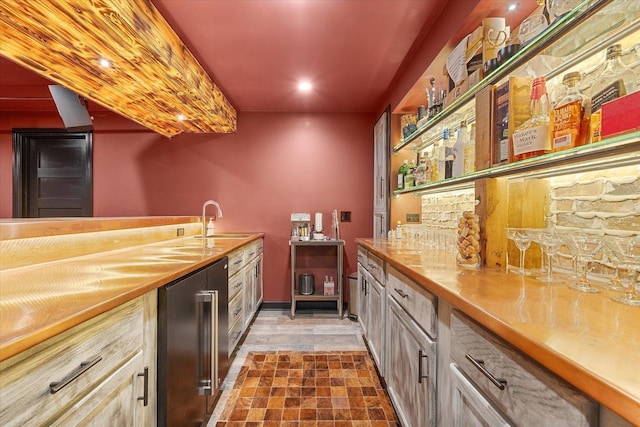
x,y
114,402
258,286
380,166
410,368
248,295
363,301
377,322
469,406
380,226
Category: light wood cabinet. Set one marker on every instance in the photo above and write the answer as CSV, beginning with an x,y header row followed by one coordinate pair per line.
x,y
92,373
372,305
410,370
364,278
525,392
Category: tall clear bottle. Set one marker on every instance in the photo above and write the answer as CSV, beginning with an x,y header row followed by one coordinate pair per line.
x,y
402,171
470,151
448,153
571,115
532,138
458,150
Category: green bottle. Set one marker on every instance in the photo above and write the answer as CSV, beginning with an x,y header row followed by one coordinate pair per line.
x,y
402,172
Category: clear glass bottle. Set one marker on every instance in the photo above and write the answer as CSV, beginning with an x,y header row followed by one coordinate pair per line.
x,y
408,177
458,150
532,138
433,157
571,116
448,143
441,160
470,151
422,173
615,79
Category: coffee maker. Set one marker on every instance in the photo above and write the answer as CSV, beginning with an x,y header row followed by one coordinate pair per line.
x,y
301,226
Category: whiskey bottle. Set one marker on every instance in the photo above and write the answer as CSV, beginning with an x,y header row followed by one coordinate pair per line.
x,y
532,138
571,116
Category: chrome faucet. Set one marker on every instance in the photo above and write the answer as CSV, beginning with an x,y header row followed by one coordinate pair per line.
x,y
204,218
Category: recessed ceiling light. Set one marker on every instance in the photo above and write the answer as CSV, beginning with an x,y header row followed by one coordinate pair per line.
x,y
105,62
512,7
304,86
181,117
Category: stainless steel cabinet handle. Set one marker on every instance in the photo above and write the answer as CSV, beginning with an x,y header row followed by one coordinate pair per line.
x,y
479,364
421,356
235,313
236,262
237,285
145,394
373,266
402,293
56,386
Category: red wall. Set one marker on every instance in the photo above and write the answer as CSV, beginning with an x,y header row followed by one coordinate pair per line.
x,y
275,164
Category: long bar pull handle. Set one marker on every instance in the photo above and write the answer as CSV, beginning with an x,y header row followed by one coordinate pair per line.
x,y
402,293
56,386
208,342
479,364
145,393
421,356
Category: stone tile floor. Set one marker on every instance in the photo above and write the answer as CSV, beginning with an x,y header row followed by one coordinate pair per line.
x,y
273,330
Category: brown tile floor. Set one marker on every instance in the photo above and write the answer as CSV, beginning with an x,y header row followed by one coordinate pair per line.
x,y
311,331
308,389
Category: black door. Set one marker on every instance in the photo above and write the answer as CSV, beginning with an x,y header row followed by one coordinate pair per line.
x,y
53,173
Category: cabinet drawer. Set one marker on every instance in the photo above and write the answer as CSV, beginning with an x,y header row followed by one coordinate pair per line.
x,y
419,303
362,256
375,266
236,261
235,309
531,395
253,250
112,338
236,283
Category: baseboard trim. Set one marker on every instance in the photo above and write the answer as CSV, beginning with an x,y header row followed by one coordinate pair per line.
x,y
302,305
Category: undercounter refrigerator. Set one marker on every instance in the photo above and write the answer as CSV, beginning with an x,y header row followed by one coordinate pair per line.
x,y
193,345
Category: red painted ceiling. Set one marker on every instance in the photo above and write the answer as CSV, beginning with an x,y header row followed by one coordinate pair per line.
x,y
256,51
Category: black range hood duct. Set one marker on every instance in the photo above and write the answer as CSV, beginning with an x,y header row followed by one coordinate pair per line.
x,y
73,112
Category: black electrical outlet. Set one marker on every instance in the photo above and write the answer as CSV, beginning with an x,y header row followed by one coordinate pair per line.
x,y
413,217
345,216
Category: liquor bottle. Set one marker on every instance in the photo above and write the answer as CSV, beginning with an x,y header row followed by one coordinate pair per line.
x,y
408,176
613,81
532,138
470,151
441,160
571,116
402,171
458,150
433,158
448,153
422,174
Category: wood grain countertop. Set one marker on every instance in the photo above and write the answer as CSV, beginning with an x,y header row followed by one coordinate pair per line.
x,y
588,340
39,301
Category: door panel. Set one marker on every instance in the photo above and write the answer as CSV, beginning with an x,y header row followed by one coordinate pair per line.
x,y
52,174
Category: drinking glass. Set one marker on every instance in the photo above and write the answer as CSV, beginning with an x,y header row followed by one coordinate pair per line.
x,y
611,246
585,247
550,243
522,240
629,252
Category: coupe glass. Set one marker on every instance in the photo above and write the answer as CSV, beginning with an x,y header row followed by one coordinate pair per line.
x,y
522,240
629,252
585,247
550,244
611,247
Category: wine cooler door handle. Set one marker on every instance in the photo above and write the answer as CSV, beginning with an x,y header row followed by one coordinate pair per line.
x,y
207,314
479,364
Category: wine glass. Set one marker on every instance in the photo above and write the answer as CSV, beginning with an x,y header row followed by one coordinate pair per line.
x,y
629,253
550,243
522,240
610,249
585,247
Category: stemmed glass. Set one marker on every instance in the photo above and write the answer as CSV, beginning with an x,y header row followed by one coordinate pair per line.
x,y
550,244
610,249
522,240
629,253
586,248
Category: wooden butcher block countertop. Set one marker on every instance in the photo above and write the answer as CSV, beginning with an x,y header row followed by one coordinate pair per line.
x,y
41,300
587,339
